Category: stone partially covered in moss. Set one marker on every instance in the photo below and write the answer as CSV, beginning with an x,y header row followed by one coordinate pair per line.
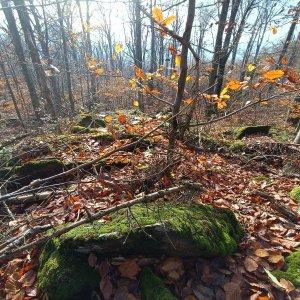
x,y
81,129
103,137
88,120
248,130
64,273
152,287
186,230
295,193
292,271
34,170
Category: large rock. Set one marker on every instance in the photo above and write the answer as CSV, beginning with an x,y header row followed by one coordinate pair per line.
x,y
183,230
248,130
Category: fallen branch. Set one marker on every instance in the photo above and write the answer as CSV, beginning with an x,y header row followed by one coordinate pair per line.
x,y
8,252
275,204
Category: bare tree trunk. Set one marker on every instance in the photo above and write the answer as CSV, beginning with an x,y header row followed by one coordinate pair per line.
x,y
66,59
289,37
16,39
183,72
11,93
138,58
34,54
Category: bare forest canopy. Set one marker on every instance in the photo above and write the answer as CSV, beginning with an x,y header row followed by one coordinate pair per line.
x,y
59,57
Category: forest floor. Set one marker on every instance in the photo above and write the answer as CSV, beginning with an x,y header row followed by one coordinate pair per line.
x,y
251,185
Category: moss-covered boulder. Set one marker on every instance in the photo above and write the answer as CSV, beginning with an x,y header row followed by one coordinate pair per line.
x,y
187,230
81,129
248,130
292,270
182,229
152,287
295,193
88,120
33,170
64,273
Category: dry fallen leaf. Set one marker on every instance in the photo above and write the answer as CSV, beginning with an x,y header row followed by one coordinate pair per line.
x,y
250,264
129,269
232,291
106,287
92,260
275,258
261,253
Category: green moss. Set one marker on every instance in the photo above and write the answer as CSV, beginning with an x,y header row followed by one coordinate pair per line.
x,y
248,130
211,231
88,120
262,178
81,129
295,193
292,271
63,273
152,287
103,137
214,144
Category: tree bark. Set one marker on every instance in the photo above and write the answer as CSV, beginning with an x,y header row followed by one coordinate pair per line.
x,y
34,54
16,39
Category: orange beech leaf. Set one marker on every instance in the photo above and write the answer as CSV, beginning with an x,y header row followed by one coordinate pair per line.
x,y
155,92
234,85
284,61
122,119
139,73
188,101
172,49
274,74
270,60
99,71
178,60
274,30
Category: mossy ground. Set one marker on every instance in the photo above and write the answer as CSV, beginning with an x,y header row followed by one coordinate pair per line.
x,y
248,130
64,273
295,193
152,287
292,271
230,145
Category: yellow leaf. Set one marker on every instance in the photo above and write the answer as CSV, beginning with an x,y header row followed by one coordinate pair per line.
x,y
168,20
108,119
234,84
274,74
224,91
264,102
221,104
188,78
177,60
225,97
118,48
251,67
132,82
188,101
99,71
173,75
113,57
136,103
157,14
